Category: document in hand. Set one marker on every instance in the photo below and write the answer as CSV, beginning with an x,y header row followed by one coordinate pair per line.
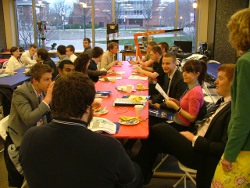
x,y
103,125
158,87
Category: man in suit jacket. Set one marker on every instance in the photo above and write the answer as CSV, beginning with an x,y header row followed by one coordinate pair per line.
x,y
174,86
201,151
29,108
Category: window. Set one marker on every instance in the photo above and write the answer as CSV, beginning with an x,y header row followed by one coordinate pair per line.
x,y
68,22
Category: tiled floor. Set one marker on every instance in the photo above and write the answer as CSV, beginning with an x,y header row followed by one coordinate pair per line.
x,y
169,166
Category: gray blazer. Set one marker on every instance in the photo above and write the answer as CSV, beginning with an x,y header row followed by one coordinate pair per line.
x,y
25,112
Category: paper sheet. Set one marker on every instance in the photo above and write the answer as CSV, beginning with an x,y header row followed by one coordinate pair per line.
x,y
158,87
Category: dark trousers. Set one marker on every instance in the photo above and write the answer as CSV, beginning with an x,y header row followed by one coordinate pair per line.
x,y
138,181
14,177
166,139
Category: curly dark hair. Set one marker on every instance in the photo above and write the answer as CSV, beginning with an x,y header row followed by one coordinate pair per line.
x,y
77,90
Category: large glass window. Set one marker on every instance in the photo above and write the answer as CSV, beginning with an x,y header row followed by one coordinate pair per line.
x,y
69,21
24,15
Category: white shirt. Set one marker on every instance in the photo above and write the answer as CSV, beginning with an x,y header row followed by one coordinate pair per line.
x,y
73,57
203,129
27,59
13,64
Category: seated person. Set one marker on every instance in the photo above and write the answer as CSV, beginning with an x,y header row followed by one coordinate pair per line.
x,y
72,155
108,58
164,47
201,151
174,86
92,71
187,109
28,57
14,62
158,73
82,63
43,57
70,52
65,67
146,61
61,53
29,108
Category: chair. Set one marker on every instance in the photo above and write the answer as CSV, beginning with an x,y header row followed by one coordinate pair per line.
x,y
192,128
163,158
188,173
3,128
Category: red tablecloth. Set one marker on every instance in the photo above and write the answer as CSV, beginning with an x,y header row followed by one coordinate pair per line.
x,y
3,60
126,131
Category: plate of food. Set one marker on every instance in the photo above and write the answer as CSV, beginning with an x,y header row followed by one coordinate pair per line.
x,y
125,120
124,88
100,111
141,87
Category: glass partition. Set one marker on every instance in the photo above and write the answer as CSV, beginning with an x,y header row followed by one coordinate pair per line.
x,y
69,21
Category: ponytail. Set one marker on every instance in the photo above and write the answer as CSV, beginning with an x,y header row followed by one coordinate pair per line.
x,y
203,72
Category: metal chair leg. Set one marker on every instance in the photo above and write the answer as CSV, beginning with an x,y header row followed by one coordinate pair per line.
x,y
160,163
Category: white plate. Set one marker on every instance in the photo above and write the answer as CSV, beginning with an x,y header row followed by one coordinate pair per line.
x,y
123,88
101,112
129,122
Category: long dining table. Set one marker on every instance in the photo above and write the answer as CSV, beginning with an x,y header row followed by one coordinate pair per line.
x,y
124,72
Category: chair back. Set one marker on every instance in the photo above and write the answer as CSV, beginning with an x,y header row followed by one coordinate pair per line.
x,y
201,115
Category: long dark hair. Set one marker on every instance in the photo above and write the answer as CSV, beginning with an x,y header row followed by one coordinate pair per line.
x,y
81,63
196,66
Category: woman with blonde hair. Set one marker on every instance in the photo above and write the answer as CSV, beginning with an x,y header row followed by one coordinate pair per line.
x,y
233,170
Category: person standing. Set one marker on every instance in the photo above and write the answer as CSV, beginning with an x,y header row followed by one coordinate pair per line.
x,y
87,47
234,169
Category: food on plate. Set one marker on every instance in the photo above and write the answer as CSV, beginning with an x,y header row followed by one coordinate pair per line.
x,y
141,87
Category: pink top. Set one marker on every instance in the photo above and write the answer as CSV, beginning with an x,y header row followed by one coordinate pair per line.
x,y
191,102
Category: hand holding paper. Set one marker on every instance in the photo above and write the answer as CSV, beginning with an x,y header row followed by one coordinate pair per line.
x,y
161,91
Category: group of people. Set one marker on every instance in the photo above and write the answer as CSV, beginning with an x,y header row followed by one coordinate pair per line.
x,y
63,153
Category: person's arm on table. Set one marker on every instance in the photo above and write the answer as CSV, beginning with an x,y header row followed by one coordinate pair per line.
x,y
147,73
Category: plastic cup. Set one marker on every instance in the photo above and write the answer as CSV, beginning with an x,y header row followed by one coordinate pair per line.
x,y
129,88
138,110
